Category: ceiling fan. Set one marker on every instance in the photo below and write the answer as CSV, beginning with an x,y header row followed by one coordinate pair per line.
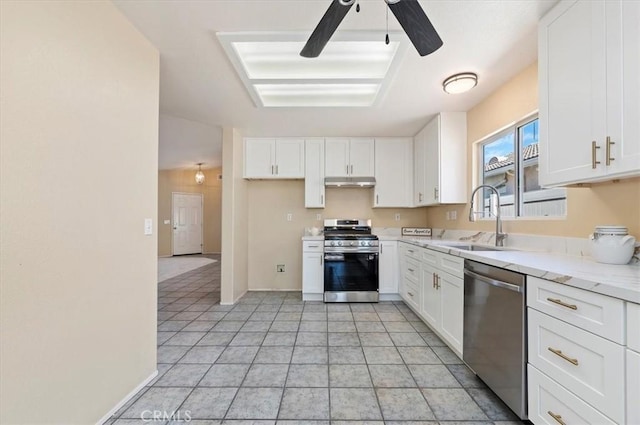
x,y
408,12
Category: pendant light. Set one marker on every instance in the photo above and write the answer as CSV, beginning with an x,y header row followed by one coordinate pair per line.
x,y
200,174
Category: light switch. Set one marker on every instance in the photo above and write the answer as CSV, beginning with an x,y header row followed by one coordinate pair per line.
x,y
148,226
167,222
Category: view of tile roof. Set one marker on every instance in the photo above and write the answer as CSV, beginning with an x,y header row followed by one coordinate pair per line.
x,y
494,163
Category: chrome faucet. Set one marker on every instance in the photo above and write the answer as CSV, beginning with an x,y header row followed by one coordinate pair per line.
x,y
500,237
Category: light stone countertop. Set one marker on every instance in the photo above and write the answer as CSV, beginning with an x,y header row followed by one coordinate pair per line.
x,y
619,281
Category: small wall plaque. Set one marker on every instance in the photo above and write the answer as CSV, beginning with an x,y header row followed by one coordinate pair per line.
x,y
416,231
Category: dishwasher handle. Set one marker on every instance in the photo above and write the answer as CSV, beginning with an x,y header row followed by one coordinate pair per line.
x,y
493,282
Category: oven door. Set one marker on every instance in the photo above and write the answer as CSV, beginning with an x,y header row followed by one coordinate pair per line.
x,y
350,277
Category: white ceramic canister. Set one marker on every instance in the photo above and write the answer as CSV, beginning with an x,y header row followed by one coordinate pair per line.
x,y
612,244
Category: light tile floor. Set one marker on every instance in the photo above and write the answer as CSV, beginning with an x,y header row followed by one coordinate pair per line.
x,y
274,358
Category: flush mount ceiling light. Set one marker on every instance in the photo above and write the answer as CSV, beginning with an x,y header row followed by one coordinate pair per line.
x,y
199,174
355,68
460,83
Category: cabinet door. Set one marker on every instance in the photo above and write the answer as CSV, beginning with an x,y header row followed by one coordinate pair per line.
x,y
314,173
452,303
362,157
312,272
430,301
290,158
633,387
259,158
394,176
432,162
336,160
388,267
572,85
623,86
419,165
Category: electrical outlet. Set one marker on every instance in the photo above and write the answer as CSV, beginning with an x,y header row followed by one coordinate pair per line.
x,y
289,216
280,268
447,215
397,216
454,215
318,217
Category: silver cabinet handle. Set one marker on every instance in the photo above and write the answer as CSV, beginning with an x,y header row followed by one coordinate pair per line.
x,y
562,303
435,193
277,170
313,246
381,246
320,260
608,157
272,170
322,199
594,148
347,169
419,197
377,199
560,354
351,168
411,270
558,418
410,294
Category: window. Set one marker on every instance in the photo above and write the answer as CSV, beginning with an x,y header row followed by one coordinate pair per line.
x,y
509,162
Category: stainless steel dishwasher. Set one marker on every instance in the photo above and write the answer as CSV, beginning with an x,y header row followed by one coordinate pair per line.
x,y
494,343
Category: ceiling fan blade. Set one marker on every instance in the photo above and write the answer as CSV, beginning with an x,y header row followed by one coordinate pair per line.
x,y
325,29
417,26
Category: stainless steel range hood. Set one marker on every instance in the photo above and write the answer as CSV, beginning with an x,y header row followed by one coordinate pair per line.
x,y
350,182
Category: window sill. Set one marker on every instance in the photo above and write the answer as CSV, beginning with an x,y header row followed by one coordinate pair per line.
x,y
541,218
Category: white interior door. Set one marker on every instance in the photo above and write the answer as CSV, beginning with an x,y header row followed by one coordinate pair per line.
x,y
187,223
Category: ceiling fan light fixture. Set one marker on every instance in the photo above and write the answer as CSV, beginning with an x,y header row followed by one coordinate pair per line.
x,y
199,174
460,83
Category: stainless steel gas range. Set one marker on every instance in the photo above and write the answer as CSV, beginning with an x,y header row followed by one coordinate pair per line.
x,y
350,261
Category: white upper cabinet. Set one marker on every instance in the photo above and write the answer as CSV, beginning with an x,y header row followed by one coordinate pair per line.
x,y
589,83
393,172
273,158
314,173
349,157
440,161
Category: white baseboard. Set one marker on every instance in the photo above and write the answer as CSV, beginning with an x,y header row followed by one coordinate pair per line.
x,y
128,397
234,301
312,297
390,297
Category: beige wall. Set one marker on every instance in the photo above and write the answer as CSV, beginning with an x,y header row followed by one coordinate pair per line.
x,y
79,149
234,266
170,181
274,240
606,203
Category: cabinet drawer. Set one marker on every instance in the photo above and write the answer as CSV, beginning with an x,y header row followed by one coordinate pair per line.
x,y
411,294
412,269
429,257
587,365
633,326
596,313
411,251
451,264
547,398
312,246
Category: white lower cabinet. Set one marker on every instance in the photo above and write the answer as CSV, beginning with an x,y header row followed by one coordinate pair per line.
x,y
433,286
388,267
312,270
578,366
633,387
589,366
551,404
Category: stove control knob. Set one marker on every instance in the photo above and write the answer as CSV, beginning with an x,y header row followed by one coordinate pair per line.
x,y
333,243
353,243
366,243
340,243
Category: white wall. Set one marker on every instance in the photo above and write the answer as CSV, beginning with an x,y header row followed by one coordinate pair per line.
x,y
184,143
79,148
235,239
